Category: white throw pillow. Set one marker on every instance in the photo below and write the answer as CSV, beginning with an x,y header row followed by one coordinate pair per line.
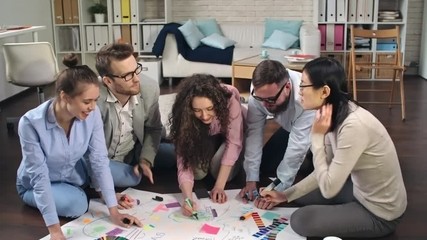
x,y
280,40
191,34
217,41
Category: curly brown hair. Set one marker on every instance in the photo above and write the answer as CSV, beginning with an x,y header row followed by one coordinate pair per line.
x,y
190,136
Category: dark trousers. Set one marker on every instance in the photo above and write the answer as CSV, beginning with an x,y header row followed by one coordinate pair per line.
x,y
274,150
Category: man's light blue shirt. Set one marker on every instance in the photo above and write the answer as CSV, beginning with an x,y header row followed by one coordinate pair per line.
x,y
295,120
48,156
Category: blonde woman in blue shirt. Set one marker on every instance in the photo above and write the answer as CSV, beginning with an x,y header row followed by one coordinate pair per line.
x,y
54,137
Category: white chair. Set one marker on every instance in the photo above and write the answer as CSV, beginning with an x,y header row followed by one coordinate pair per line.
x,y
31,64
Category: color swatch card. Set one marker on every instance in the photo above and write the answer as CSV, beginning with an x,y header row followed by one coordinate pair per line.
x,y
162,219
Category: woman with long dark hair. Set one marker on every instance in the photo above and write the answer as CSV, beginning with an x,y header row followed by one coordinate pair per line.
x,y
347,141
207,131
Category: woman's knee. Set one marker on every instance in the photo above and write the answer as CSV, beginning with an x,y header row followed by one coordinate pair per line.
x,y
304,222
71,202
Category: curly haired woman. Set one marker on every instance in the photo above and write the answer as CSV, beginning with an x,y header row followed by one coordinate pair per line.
x,y
207,131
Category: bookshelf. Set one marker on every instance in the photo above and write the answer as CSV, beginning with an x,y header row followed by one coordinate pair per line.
x,y
334,18
137,22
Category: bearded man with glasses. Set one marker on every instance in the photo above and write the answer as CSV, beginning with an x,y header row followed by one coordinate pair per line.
x,y
130,111
275,93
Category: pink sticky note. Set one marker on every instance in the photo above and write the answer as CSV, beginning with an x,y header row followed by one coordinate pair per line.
x,y
160,207
206,228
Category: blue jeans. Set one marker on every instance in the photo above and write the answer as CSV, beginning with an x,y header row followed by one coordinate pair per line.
x,y
70,201
123,174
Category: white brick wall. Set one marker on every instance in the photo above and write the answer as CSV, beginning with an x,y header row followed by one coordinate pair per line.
x,y
258,10
413,30
242,10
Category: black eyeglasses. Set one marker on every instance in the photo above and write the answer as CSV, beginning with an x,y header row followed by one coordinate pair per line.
x,y
128,76
304,86
270,100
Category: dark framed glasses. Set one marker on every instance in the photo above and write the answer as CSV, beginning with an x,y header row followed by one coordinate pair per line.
x,y
301,86
270,100
128,76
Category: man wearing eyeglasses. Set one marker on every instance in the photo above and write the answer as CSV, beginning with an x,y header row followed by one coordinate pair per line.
x,y
275,93
130,111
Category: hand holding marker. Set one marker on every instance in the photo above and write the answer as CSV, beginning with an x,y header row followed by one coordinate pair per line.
x,y
188,202
125,198
272,185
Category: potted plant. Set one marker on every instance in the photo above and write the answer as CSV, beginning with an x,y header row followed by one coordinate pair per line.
x,y
98,10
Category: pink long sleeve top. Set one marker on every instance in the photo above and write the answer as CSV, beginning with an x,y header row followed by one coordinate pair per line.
x,y
234,138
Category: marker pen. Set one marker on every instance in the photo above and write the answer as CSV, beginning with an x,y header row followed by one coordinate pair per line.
x,y
194,214
246,216
272,185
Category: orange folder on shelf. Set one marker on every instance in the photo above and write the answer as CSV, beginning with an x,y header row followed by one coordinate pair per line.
x,y
66,8
75,11
126,34
57,9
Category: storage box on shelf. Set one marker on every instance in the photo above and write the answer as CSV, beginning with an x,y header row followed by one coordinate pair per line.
x,y
334,18
136,22
151,68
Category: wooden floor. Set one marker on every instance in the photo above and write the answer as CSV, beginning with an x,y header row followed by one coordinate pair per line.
x,y
410,137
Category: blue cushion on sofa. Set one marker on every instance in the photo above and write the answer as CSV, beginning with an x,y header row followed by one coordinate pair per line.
x,y
289,26
217,41
191,34
208,26
280,40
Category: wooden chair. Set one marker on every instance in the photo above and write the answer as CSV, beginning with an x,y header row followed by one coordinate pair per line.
x,y
396,65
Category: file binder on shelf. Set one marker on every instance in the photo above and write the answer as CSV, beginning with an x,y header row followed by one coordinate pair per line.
x,y
117,11
331,11
90,38
133,11
59,14
360,10
104,36
97,31
117,34
369,11
339,37
134,37
126,35
66,8
352,10
125,6
75,11
330,37
322,10
340,11
322,29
